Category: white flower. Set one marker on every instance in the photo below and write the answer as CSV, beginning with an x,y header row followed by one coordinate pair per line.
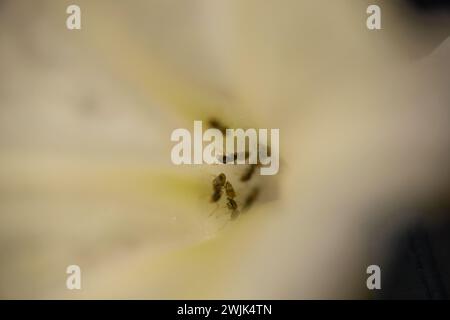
x,y
85,171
